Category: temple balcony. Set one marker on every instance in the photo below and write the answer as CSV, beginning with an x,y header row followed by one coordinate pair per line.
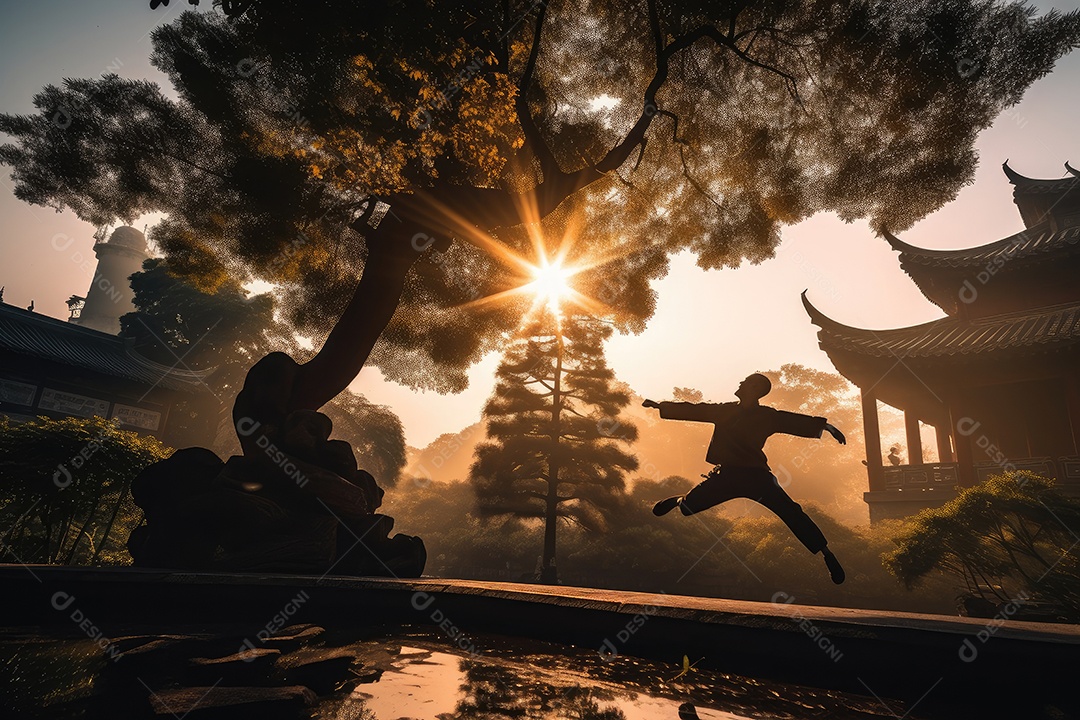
x,y
910,488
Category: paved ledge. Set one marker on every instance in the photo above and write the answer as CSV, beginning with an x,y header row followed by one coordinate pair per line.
x,y
893,654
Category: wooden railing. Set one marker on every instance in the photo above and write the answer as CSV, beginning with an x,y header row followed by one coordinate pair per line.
x,y
920,477
1044,466
945,475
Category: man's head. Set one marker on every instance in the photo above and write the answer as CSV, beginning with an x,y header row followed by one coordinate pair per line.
x,y
754,387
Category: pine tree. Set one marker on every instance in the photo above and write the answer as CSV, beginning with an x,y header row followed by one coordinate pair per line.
x,y
555,437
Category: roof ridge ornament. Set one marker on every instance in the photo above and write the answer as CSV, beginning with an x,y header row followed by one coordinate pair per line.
x,y
1014,177
899,245
1072,171
819,318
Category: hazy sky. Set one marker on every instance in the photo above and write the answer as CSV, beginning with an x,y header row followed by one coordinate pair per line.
x,y
852,276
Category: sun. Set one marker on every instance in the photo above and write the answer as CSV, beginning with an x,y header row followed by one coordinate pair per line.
x,y
550,283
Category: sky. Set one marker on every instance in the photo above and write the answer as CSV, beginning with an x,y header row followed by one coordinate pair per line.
x,y
851,275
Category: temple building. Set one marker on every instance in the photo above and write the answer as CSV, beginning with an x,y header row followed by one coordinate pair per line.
x,y
82,368
998,377
54,368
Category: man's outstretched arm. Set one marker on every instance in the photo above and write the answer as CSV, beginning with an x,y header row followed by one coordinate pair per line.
x,y
835,432
698,412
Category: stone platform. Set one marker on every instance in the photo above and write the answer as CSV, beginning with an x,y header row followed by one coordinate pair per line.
x,y
951,662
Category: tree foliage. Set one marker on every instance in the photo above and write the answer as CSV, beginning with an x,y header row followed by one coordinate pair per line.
x,y
710,555
555,433
222,333
375,433
660,127
1010,537
64,488
219,334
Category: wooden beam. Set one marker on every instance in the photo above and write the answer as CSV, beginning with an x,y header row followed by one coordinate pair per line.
x,y
872,435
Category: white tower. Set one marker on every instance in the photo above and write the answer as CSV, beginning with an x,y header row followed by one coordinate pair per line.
x,y
110,294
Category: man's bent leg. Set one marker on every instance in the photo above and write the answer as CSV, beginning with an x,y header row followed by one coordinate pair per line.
x,y
708,493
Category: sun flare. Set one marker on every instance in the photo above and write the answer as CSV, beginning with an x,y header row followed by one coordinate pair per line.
x,y
550,284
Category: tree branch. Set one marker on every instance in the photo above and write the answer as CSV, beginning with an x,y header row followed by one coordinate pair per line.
x,y
549,166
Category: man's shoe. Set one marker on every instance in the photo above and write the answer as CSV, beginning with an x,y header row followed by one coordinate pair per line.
x,y
836,571
665,506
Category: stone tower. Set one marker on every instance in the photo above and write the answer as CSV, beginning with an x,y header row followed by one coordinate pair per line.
x,y
110,294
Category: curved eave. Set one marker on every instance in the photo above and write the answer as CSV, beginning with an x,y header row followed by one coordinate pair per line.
x,y
190,380
902,247
41,338
827,324
1023,185
1039,240
1044,329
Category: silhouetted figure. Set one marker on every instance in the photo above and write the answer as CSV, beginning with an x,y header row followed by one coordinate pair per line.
x,y
30,307
742,470
894,455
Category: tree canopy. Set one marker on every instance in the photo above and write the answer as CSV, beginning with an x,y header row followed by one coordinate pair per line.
x,y
610,133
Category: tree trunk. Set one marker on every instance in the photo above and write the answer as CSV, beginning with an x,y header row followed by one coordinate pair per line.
x,y
391,254
112,521
548,574
86,523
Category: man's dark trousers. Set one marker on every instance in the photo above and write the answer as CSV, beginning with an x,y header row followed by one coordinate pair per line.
x,y
759,485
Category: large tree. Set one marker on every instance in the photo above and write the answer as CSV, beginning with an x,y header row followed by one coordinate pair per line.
x,y
659,126
220,334
555,431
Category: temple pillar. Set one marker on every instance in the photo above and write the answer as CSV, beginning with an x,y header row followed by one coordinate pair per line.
x,y
872,434
965,457
1072,397
944,444
914,438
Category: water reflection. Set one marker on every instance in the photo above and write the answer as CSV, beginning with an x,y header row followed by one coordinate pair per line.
x,y
526,680
409,674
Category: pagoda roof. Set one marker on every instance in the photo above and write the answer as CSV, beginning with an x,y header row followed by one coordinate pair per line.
x,y
1028,243
1042,329
1030,186
41,337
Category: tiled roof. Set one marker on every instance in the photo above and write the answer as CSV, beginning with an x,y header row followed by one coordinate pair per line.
x,y
1045,328
38,336
1032,242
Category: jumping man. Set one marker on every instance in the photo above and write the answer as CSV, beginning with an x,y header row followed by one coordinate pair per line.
x,y
742,470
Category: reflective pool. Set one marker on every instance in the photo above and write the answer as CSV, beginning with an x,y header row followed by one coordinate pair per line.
x,y
411,673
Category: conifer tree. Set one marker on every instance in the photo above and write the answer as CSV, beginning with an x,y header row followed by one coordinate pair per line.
x,y
556,442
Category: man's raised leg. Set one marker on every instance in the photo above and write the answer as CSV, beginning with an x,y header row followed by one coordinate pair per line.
x,y
805,529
